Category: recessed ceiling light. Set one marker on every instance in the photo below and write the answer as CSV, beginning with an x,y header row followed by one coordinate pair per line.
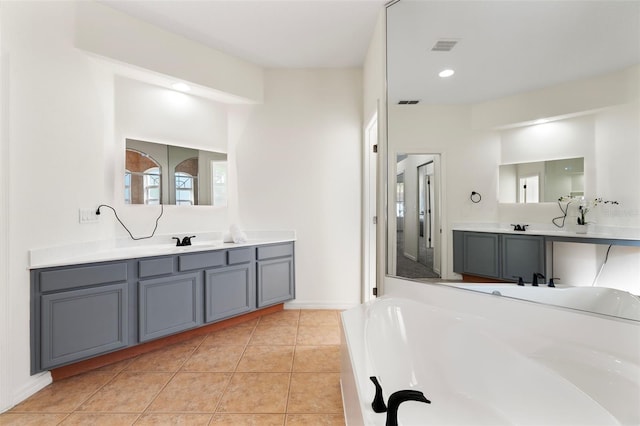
x,y
182,87
446,73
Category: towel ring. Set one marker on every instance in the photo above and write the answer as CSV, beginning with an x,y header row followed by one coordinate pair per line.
x,y
475,197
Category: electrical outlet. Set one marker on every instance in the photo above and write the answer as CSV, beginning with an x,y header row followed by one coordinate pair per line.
x,y
88,216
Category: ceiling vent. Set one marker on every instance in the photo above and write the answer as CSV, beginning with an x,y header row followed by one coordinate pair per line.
x,y
407,102
444,45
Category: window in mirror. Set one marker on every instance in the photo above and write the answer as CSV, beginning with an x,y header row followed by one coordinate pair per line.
x,y
186,182
151,178
529,189
142,178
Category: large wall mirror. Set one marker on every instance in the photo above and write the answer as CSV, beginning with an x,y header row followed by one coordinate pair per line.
x,y
502,95
541,181
166,174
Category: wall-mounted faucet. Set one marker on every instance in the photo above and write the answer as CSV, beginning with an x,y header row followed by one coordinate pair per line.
x,y
186,241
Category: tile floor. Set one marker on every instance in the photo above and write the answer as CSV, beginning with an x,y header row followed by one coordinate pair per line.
x,y
280,369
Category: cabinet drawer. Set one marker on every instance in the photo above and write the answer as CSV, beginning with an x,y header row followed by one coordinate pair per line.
x,y
278,250
235,257
202,260
152,267
62,279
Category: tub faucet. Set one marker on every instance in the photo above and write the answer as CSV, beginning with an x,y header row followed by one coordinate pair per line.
x,y
537,276
398,398
378,404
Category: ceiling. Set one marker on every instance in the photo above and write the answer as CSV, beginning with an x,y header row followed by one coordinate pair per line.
x,y
505,47
272,34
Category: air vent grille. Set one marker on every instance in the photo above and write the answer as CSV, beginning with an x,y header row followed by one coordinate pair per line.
x,y
407,102
444,45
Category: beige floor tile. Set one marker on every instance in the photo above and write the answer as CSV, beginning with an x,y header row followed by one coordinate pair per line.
x,y
168,359
65,395
214,359
318,317
268,335
256,393
315,420
247,420
286,317
312,393
30,419
192,392
266,359
116,367
317,359
318,335
173,419
129,392
96,419
238,335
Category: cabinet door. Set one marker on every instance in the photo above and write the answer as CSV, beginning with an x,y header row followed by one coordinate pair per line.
x,y
229,291
522,256
481,254
275,281
168,305
78,324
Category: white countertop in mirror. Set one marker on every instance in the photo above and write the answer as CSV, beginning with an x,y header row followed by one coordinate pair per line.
x,y
549,230
125,248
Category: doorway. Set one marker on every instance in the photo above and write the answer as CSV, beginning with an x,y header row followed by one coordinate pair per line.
x,y
418,235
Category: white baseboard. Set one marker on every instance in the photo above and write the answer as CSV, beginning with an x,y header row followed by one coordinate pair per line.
x,y
35,383
408,256
295,304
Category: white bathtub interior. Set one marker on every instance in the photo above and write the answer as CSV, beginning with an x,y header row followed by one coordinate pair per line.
x,y
601,300
477,370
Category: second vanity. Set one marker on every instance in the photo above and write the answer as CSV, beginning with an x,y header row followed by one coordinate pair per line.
x,y
496,252
82,307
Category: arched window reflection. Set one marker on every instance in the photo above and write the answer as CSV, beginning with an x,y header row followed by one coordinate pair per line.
x,y
186,182
142,179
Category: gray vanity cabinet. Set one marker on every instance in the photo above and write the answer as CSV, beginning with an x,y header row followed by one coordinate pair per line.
x,y
275,277
169,305
522,256
80,312
479,254
499,256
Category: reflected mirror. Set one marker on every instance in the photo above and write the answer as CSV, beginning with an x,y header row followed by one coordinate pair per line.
x,y
529,83
541,181
166,174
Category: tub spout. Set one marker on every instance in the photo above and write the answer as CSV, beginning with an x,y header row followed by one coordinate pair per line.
x,y
398,398
378,404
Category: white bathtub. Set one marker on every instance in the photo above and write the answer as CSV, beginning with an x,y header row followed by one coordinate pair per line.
x,y
476,371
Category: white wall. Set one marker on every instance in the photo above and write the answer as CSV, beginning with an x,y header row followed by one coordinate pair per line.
x,y
298,159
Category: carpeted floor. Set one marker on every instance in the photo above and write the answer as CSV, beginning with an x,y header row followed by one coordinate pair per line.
x,y
408,268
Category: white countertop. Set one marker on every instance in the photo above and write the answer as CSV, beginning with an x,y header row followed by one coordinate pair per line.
x,y
549,230
125,248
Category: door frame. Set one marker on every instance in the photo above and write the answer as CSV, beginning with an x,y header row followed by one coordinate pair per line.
x,y
371,137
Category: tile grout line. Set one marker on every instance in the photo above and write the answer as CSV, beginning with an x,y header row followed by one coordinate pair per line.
x,y
144,410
